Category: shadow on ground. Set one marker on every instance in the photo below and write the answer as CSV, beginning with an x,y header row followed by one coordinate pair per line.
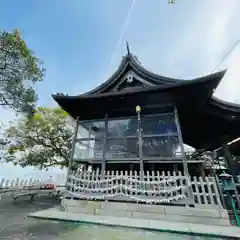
x,y
15,225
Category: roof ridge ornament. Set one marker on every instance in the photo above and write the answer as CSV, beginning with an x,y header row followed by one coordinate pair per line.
x,y
128,49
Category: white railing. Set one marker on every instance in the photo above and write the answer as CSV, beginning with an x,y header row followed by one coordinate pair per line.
x,y
58,180
205,192
156,187
127,186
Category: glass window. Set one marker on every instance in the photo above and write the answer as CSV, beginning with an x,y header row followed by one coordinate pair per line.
x,y
88,149
91,129
160,146
158,124
122,127
122,148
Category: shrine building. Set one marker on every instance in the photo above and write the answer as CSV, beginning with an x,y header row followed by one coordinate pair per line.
x,y
139,120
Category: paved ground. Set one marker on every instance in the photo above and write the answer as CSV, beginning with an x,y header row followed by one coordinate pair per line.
x,y
15,225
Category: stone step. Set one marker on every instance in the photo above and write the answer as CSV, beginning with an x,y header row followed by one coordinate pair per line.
x,y
211,216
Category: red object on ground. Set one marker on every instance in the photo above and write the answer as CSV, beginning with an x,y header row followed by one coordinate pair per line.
x,y
48,186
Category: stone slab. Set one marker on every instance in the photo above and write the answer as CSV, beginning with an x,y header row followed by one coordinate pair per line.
x,y
86,210
81,203
147,208
186,228
114,205
224,213
181,218
112,212
212,216
188,211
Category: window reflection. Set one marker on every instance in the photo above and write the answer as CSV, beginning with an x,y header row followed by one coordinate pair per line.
x,y
158,124
160,146
122,127
122,148
122,141
88,149
91,130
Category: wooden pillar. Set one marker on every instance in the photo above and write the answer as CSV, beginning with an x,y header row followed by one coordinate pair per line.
x,y
73,146
201,170
175,167
131,167
229,160
140,144
179,132
152,166
185,162
103,165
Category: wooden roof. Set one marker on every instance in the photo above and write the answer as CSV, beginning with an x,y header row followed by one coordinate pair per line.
x,y
205,121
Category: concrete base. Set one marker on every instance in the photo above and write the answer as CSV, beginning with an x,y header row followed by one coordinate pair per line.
x,y
211,216
164,226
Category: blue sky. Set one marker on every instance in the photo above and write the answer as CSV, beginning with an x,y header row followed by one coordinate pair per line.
x,y
77,40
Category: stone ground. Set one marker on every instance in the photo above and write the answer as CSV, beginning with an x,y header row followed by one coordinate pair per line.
x,y
15,225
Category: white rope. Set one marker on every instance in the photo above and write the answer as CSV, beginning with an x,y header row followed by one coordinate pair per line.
x,y
88,189
122,187
129,180
137,199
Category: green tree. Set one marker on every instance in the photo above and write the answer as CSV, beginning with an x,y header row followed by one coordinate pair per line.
x,y
41,141
19,70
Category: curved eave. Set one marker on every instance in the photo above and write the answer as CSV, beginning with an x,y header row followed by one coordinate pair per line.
x,y
190,92
129,62
231,108
215,124
228,119
211,81
222,109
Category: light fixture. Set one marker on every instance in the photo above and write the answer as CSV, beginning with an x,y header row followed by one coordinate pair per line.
x,y
138,109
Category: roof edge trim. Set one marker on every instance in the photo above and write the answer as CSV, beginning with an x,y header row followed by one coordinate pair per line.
x,y
129,60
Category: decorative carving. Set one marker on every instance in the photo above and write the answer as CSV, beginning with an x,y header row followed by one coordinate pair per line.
x,y
129,77
131,80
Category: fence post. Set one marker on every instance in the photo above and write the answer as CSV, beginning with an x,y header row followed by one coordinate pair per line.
x,y
2,183
218,193
210,193
202,184
195,181
17,182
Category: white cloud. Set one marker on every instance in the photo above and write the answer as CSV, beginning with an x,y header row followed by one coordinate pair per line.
x,y
187,40
229,88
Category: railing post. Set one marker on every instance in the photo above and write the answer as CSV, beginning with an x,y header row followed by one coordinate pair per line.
x,y
2,182
218,193
198,198
210,193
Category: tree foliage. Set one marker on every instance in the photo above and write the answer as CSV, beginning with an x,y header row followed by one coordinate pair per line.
x,y
41,141
19,69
